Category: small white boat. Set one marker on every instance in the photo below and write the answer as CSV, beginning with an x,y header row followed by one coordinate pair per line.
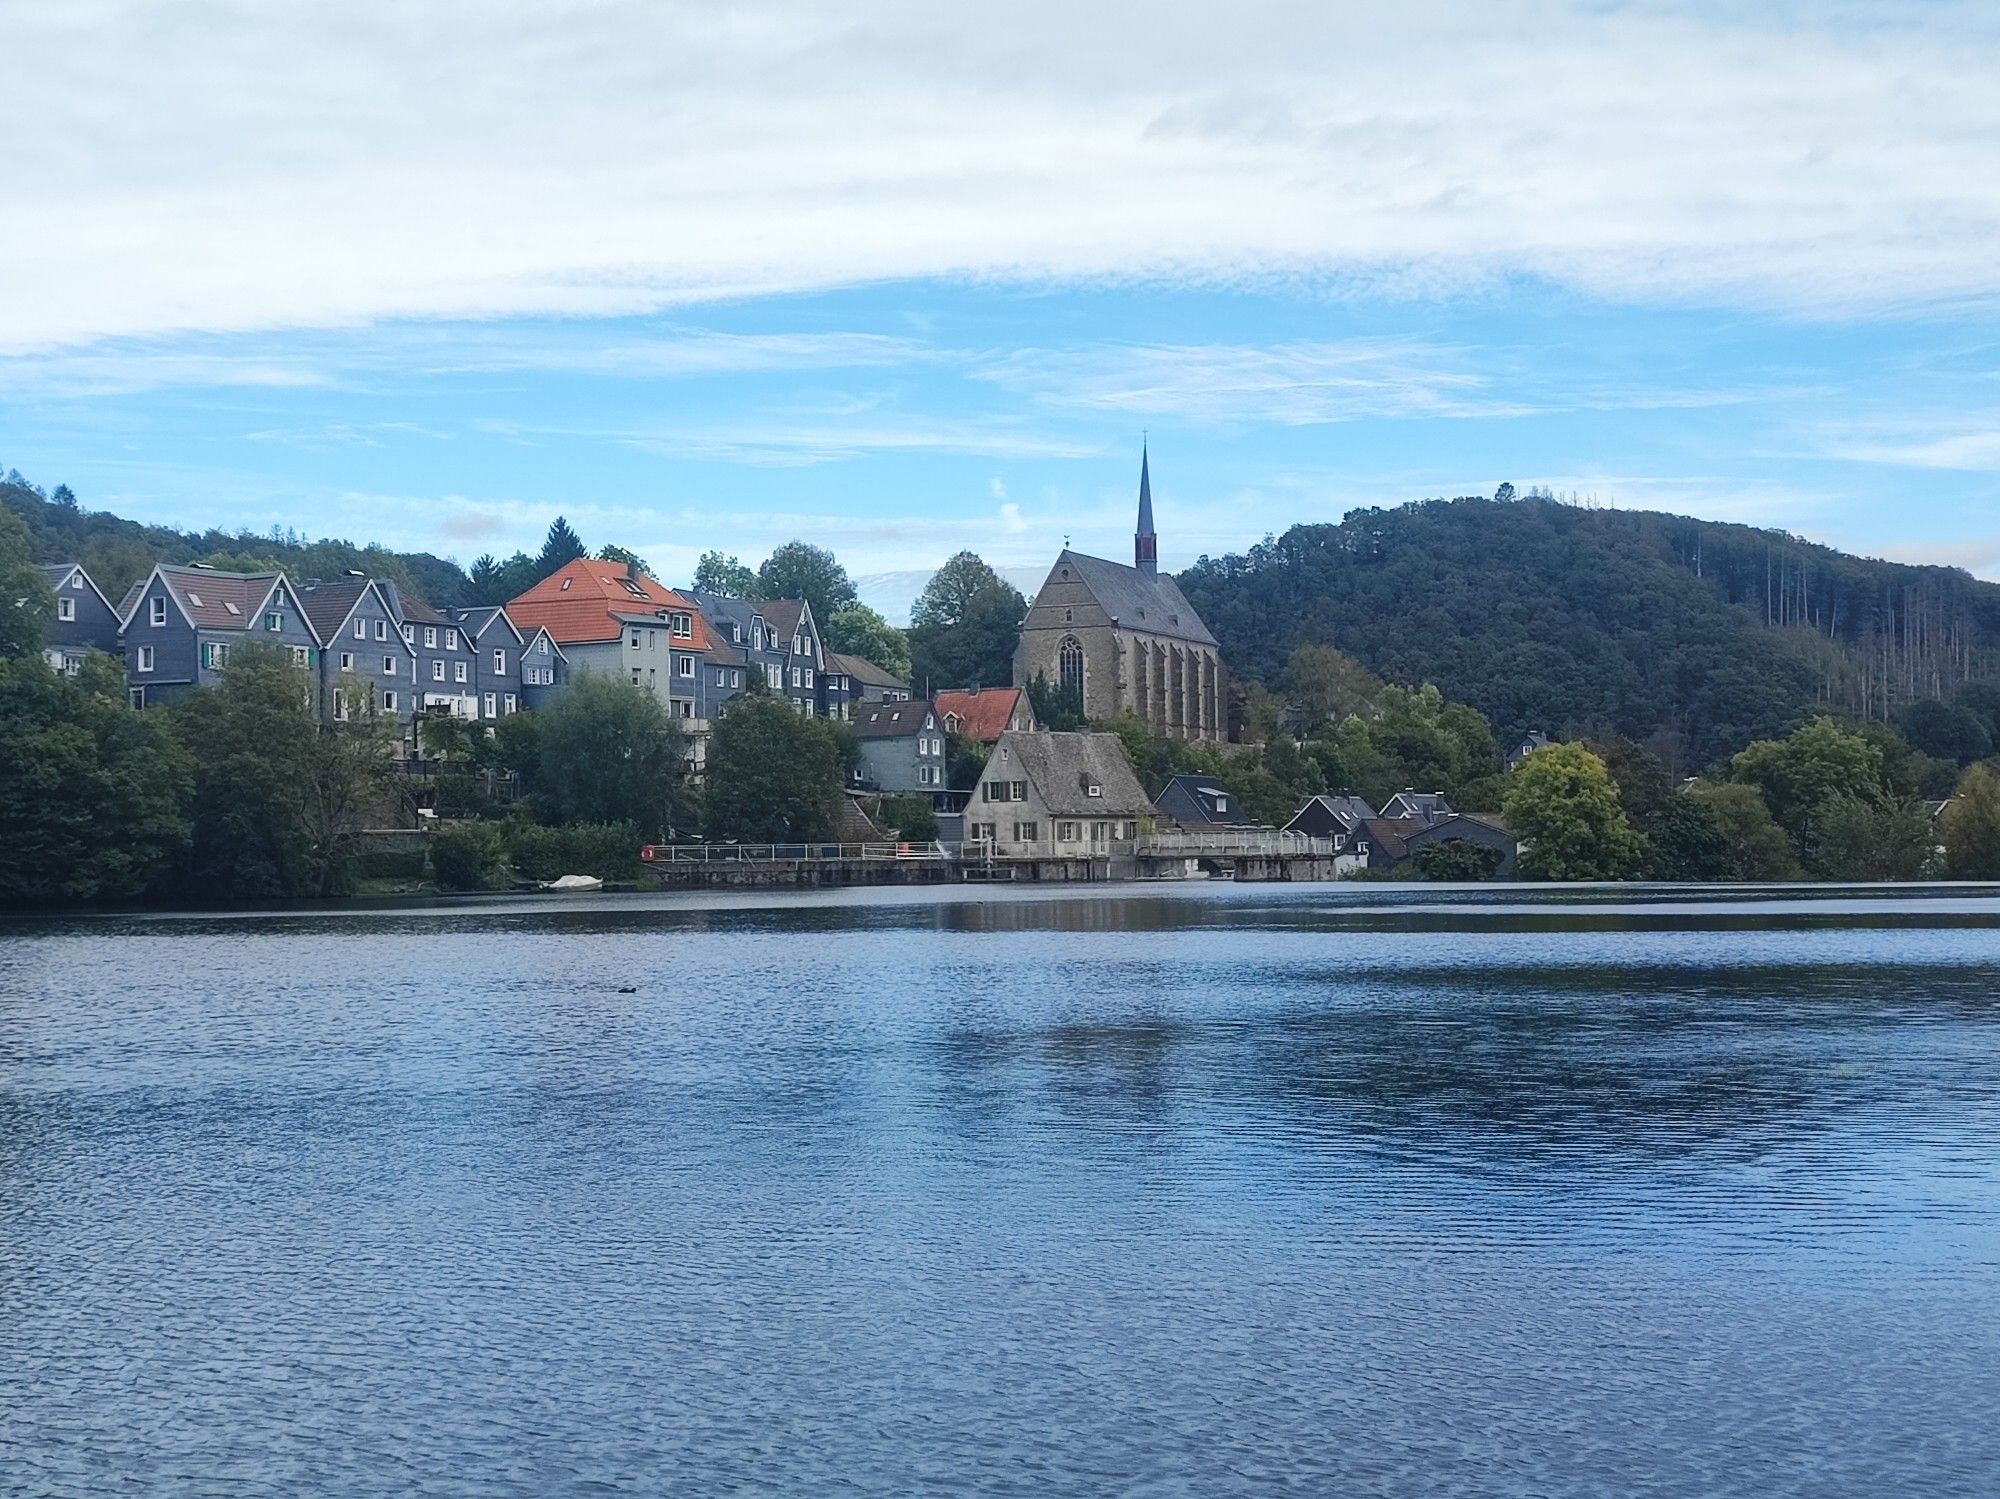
x,y
572,884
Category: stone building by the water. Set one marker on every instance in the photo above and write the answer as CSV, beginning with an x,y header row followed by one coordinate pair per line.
x,y
1124,639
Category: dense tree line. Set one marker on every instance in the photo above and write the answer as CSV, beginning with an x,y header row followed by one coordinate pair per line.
x,y
1585,622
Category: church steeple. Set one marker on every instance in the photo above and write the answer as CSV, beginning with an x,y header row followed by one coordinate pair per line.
x,y
1145,544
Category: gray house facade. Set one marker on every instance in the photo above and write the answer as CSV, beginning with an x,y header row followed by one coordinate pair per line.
x,y
182,623
84,620
899,748
364,649
1200,802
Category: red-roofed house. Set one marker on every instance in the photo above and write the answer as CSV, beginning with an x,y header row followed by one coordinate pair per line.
x,y
613,618
983,714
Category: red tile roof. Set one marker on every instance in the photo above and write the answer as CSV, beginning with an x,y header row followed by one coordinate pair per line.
x,y
983,713
582,602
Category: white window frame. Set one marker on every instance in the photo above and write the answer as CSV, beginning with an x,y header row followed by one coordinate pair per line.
x,y
381,629
66,609
145,661
687,666
388,666
360,628
451,640
347,661
388,702
488,705
437,669
499,661
458,671
508,704
157,613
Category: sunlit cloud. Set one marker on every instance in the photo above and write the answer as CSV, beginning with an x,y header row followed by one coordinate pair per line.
x,y
324,166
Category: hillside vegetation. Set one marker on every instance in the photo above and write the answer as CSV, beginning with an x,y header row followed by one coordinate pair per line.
x,y
119,552
1695,636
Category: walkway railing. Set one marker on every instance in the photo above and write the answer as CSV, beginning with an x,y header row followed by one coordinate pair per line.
x,y
1253,842
786,853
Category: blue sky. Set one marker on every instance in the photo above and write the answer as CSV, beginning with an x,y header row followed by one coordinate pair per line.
x,y
901,287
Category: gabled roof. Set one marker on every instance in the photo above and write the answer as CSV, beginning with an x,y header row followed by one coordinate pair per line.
x,y
1063,767
1190,797
1149,602
528,643
210,599
579,603
410,608
863,670
983,713
58,574
898,720
1425,805
783,615
329,605
1345,808
478,620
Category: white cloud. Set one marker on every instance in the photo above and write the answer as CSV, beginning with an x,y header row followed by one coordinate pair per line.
x,y
1011,520
1975,452
237,164
1295,384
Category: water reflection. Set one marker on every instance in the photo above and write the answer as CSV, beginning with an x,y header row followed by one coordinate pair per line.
x,y
1219,1190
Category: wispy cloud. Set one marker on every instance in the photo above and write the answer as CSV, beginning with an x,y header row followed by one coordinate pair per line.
x,y
245,165
1975,451
1292,384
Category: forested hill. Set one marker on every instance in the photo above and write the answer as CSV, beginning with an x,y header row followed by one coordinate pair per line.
x,y
118,552
1546,615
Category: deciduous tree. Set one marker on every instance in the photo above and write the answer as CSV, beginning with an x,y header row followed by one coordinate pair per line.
x,y
773,775
799,570
1565,810
605,751
860,631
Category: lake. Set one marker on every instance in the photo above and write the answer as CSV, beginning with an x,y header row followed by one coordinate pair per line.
x,y
1152,1190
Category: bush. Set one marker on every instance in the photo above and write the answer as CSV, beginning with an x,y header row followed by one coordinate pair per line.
x,y
466,856
1458,859
609,850
391,859
910,817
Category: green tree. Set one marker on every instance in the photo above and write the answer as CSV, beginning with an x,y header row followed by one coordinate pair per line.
x,y
1323,685
1565,810
96,801
1758,848
492,582
278,808
1946,731
27,603
799,570
560,547
1802,773
910,818
860,631
1689,842
624,558
1970,827
725,576
773,776
1868,839
964,627
965,762
1056,708
607,751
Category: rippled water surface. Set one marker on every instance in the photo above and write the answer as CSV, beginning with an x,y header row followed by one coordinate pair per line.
x,y
1216,1190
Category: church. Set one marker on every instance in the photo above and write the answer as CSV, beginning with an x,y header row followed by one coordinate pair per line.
x,y
1125,639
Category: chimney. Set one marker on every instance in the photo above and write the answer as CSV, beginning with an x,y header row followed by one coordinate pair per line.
x,y
632,569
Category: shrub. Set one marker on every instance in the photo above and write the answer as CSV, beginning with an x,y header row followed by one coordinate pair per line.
x,y
466,856
911,817
609,850
391,859
1456,859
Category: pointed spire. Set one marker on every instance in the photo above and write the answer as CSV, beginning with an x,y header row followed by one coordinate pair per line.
x,y
1145,544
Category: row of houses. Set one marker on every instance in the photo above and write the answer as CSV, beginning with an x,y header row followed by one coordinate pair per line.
x,y
1075,795
176,629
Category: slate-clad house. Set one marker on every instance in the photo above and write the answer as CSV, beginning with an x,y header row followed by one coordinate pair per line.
x,y
854,680
364,647
1054,794
1198,803
544,670
776,640
181,623
1533,740
900,748
1421,806
1330,816
448,657
84,620
498,660
983,714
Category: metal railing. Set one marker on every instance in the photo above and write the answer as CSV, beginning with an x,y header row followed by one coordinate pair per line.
x,y
1249,841
787,853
